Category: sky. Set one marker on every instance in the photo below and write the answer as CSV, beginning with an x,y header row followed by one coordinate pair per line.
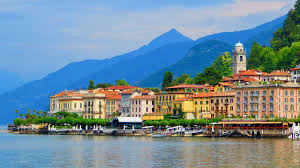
x,y
38,37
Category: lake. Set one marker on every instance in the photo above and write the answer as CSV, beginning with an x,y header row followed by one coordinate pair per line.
x,y
105,151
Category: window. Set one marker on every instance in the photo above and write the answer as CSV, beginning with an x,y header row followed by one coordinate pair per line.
x,y
292,108
146,101
292,93
292,100
231,108
286,93
241,58
264,93
238,94
206,102
286,100
286,108
195,102
272,93
257,93
146,109
246,94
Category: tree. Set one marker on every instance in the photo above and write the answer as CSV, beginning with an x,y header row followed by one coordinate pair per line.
x,y
223,64
290,32
210,75
154,89
39,112
183,79
121,82
270,60
45,114
167,81
91,85
21,116
253,60
103,85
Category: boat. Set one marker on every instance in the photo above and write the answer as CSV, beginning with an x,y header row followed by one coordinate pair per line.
x,y
158,135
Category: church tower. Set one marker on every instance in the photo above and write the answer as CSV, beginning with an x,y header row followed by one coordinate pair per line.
x,y
239,58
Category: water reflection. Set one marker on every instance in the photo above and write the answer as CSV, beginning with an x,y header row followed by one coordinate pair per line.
x,y
99,151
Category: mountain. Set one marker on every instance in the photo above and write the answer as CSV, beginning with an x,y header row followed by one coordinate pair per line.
x,y
196,60
9,81
133,66
248,35
206,50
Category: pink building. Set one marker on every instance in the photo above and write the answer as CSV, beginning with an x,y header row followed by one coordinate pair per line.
x,y
112,106
141,105
274,101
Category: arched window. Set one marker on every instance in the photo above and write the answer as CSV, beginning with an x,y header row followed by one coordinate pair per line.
x,y
241,58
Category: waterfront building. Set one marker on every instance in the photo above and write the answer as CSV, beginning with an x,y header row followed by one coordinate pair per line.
x,y
127,95
141,105
163,101
269,100
94,103
238,59
68,101
202,105
184,106
222,104
112,106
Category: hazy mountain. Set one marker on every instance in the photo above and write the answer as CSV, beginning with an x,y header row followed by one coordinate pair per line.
x,y
165,49
206,50
9,81
195,61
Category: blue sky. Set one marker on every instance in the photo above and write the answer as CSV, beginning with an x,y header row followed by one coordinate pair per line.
x,y
40,36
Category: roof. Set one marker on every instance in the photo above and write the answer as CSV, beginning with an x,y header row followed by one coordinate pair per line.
x,y
161,93
143,97
104,94
227,84
182,99
200,95
277,73
117,97
250,72
239,44
128,119
120,87
186,86
69,93
295,69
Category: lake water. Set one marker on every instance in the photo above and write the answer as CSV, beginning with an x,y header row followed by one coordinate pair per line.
x,y
103,151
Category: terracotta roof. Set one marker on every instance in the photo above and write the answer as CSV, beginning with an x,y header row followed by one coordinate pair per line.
x,y
277,73
200,95
106,94
251,72
183,99
227,84
68,93
173,93
117,97
143,97
120,87
294,69
248,79
186,86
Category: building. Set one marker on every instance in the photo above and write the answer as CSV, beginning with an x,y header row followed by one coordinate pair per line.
x,y
239,58
202,105
222,104
185,107
141,105
95,103
295,73
277,75
270,100
163,101
68,101
120,88
188,88
112,106
224,87
127,95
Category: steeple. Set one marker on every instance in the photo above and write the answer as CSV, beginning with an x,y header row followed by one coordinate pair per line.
x,y
239,58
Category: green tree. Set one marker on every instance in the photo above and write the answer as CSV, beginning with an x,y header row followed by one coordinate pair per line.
x,y
223,64
121,82
183,79
103,85
254,61
154,89
45,114
91,85
210,75
291,30
21,116
269,60
167,81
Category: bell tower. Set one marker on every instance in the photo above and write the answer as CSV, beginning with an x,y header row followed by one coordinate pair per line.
x,y
239,58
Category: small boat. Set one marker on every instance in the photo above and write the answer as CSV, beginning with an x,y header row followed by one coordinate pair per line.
x,y
158,135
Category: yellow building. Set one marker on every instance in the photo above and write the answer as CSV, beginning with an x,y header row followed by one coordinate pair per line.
x,y
95,103
163,101
189,88
224,87
184,106
202,105
68,101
